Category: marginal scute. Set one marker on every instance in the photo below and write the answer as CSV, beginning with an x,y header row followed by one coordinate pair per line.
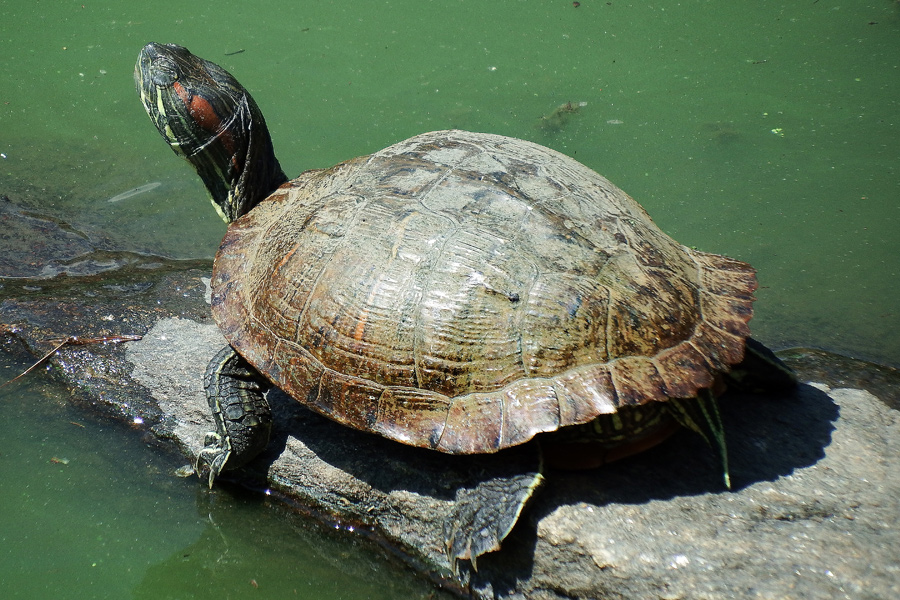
x,y
269,359
474,424
530,407
636,379
465,292
352,401
684,370
298,370
410,414
584,394
719,348
725,276
727,313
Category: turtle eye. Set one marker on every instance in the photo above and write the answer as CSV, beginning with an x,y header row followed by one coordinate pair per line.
x,y
163,72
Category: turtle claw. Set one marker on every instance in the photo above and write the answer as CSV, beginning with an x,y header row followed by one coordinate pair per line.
x,y
213,456
484,515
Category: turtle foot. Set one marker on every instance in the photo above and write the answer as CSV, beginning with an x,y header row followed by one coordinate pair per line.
x,y
236,396
212,458
484,516
761,372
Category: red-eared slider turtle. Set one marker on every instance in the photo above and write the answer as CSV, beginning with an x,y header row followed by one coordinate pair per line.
x,y
457,291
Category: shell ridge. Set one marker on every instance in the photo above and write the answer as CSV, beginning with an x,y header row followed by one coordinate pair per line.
x,y
430,190
711,366
724,331
670,387
503,426
314,401
520,317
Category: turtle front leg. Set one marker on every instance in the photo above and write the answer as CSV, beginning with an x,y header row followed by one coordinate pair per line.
x,y
236,395
484,515
488,506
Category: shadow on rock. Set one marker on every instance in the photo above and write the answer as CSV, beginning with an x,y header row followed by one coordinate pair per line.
x,y
768,437
384,464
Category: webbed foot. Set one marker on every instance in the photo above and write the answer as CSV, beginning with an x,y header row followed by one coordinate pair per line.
x,y
484,516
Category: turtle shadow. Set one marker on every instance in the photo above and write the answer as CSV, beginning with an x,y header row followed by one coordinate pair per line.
x,y
383,464
768,437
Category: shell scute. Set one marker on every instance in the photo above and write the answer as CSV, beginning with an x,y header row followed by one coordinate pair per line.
x,y
637,378
406,414
352,399
585,393
474,425
530,407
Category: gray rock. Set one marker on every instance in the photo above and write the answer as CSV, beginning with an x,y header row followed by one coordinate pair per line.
x,y
813,513
826,528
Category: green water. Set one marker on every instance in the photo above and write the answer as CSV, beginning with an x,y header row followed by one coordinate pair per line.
x,y
767,131
89,511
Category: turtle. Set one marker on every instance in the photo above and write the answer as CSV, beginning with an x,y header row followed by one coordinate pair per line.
x,y
458,291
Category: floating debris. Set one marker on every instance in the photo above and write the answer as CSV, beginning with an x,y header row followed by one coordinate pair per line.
x,y
135,191
615,122
184,471
560,116
59,461
722,133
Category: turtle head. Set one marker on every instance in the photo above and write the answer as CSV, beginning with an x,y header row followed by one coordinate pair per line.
x,y
207,117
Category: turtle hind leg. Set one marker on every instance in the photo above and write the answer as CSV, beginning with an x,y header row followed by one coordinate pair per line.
x,y
485,514
235,392
760,371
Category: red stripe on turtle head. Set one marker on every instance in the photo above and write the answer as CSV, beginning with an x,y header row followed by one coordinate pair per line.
x,y
204,115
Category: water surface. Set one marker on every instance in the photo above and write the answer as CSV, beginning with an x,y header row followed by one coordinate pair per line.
x,y
87,510
765,131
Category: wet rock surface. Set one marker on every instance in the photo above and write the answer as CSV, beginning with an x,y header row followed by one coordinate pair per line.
x,y
813,512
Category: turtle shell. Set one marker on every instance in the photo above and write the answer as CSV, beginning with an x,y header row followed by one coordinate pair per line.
x,y
465,292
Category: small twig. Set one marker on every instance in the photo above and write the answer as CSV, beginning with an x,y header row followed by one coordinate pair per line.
x,y
105,339
73,341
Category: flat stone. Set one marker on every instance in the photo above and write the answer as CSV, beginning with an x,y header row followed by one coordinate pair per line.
x,y
812,513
